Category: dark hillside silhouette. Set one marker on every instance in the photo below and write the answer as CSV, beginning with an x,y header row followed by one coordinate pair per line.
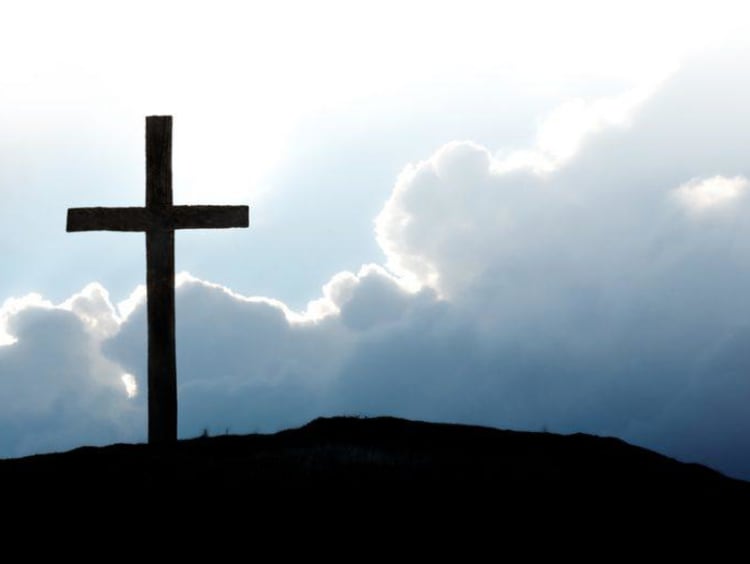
x,y
382,459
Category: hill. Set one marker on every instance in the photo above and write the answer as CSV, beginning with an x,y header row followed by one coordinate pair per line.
x,y
357,460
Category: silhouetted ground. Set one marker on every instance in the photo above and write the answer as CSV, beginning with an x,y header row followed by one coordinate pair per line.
x,y
360,462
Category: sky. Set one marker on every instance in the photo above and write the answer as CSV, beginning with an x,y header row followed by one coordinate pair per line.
x,y
525,215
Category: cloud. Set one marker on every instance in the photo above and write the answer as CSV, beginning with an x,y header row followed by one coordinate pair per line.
x,y
578,298
57,389
562,133
701,195
452,214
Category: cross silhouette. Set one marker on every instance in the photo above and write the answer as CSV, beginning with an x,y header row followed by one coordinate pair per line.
x,y
159,218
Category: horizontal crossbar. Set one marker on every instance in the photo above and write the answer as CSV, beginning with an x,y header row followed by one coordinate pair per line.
x,y
144,219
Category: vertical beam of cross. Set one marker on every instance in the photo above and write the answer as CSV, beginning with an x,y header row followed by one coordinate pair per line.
x,y
162,363
159,219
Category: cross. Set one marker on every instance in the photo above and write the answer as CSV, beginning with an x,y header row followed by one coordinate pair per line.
x,y
159,218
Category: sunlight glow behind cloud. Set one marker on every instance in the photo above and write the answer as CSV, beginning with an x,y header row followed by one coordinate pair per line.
x,y
240,76
11,307
566,128
702,195
131,387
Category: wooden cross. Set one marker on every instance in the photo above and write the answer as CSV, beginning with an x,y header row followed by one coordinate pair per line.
x,y
159,219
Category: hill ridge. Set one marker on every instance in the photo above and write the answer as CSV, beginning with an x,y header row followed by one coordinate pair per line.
x,y
383,456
